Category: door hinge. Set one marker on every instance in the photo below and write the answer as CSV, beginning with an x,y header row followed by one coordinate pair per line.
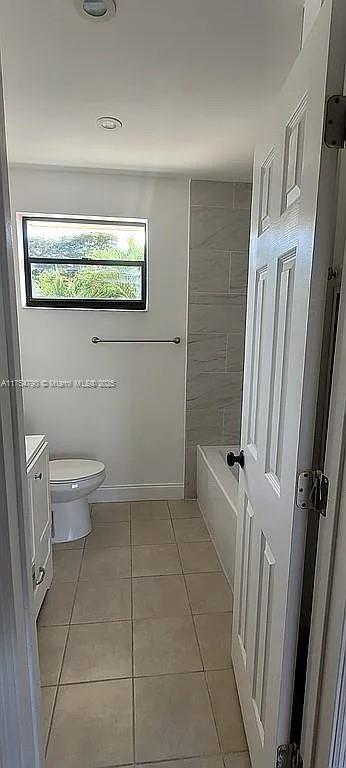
x,y
332,274
288,756
312,491
335,124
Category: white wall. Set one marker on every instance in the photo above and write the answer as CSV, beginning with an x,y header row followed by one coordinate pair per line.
x,y
137,429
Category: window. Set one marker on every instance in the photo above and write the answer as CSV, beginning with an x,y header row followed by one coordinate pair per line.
x,y
94,263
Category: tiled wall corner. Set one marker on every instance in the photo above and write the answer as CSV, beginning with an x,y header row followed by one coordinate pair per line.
x,y
219,238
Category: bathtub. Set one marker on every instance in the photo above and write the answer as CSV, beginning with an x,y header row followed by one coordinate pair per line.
x,y
217,496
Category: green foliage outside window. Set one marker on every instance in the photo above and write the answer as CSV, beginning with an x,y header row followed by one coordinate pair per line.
x,y
87,281
90,282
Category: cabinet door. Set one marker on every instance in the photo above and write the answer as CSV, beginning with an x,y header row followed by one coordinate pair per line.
x,y
38,475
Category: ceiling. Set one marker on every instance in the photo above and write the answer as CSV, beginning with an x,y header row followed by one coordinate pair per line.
x,y
190,80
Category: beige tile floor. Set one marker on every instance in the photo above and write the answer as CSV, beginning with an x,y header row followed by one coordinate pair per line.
x,y
134,643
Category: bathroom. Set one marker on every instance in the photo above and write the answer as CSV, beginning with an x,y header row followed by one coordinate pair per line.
x,y
144,395
132,202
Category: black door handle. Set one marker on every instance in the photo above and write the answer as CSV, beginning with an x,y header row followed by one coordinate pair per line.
x,y
232,459
42,573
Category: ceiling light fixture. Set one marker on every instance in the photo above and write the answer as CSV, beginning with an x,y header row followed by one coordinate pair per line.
x,y
109,123
97,10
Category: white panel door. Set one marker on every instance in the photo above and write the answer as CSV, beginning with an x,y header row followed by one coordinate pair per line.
x,y
291,232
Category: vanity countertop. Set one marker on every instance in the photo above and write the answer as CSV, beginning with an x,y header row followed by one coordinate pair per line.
x,y
33,443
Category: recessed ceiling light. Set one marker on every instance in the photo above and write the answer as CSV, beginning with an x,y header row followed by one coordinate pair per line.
x,y
95,7
98,10
109,123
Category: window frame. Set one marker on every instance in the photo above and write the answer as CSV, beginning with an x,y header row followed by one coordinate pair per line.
x,y
68,303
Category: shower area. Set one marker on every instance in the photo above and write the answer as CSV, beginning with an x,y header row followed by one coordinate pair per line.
x,y
219,242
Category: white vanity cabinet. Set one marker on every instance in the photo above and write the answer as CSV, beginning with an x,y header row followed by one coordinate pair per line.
x,y
40,516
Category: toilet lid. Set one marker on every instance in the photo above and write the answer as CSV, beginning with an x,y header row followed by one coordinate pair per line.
x,y
70,470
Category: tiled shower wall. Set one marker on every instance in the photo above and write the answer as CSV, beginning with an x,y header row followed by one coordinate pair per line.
x,y
219,239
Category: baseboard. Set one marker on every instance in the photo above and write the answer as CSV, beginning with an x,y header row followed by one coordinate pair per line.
x,y
137,492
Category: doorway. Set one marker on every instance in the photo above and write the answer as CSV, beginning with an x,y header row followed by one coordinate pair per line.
x,y
147,583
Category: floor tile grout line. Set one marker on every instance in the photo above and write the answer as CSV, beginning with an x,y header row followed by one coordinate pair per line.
x,y
133,677
63,547
68,581
206,679
142,618
137,677
88,623
143,576
178,759
220,755
45,745
201,656
175,759
132,646
172,543
140,576
215,720
202,671
174,573
64,653
142,676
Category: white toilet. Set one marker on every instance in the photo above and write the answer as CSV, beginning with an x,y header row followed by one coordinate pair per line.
x,y
71,482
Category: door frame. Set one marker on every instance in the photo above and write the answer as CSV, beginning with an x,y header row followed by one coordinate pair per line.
x,y
20,741
20,721
330,732
327,621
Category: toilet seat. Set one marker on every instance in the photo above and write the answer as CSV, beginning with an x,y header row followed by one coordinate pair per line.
x,y
74,470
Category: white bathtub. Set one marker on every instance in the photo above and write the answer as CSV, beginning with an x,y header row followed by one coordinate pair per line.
x,y
217,495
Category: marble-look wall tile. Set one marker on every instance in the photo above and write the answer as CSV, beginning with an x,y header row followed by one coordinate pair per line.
x,y
239,269
232,423
227,316
219,228
190,472
219,299
204,426
242,195
235,352
212,193
206,353
209,270
214,390
219,234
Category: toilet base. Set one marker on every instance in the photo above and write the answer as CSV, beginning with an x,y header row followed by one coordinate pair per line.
x,y
71,520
